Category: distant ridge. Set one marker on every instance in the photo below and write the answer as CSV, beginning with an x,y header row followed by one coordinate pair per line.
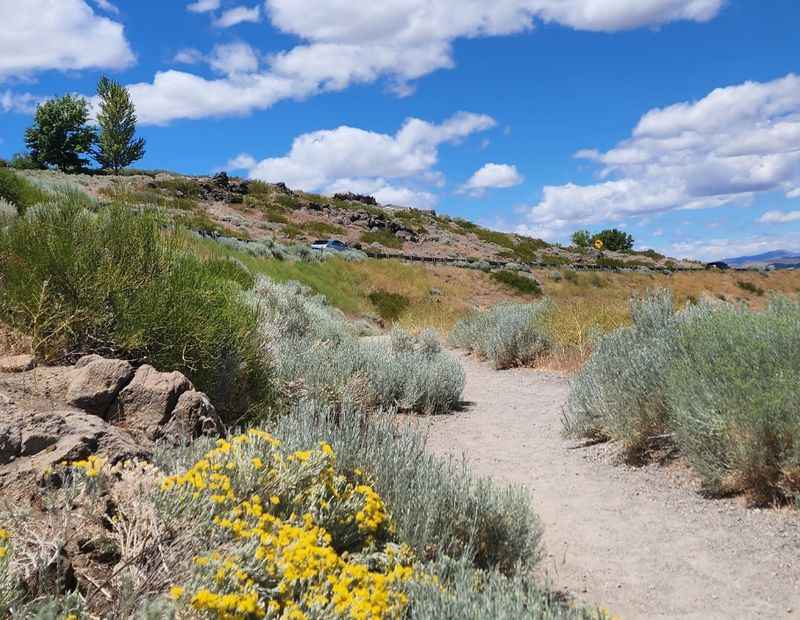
x,y
781,259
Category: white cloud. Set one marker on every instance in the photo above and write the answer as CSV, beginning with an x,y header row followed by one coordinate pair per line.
x,y
189,56
352,159
233,59
238,15
345,42
243,161
106,6
203,6
55,34
779,217
22,103
492,175
728,147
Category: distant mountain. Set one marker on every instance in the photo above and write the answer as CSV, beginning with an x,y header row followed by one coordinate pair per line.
x,y
780,259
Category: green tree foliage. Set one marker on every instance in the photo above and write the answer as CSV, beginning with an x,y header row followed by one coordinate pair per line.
x,y
117,145
60,134
615,240
581,238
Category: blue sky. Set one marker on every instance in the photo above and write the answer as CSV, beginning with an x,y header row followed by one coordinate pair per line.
x,y
678,120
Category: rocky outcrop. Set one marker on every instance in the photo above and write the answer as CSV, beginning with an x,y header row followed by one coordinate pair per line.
x,y
99,406
351,197
95,383
34,442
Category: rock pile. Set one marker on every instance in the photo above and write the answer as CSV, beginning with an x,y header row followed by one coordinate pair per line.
x,y
99,406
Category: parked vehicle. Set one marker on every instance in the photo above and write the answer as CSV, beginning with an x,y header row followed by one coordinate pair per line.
x,y
722,266
331,245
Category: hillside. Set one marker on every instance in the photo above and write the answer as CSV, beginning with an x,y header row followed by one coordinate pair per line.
x,y
780,259
252,210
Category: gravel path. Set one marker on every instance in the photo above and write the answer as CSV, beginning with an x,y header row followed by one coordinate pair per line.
x,y
640,542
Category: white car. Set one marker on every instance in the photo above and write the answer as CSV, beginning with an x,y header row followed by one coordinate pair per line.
x,y
332,245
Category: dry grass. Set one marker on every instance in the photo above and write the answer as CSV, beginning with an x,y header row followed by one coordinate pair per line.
x,y
573,324
611,288
439,295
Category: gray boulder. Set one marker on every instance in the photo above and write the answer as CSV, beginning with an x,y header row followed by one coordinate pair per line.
x,y
147,402
193,416
95,383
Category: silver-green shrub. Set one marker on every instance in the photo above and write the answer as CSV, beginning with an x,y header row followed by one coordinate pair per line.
x,y
717,381
317,351
438,506
619,393
734,402
464,593
508,334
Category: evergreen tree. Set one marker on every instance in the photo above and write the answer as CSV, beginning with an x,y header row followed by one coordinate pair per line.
x,y
117,146
60,134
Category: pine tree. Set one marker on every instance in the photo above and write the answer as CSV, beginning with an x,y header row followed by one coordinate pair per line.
x,y
60,134
117,146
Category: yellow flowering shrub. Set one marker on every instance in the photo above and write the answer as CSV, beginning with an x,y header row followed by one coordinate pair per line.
x,y
4,539
294,536
8,583
91,466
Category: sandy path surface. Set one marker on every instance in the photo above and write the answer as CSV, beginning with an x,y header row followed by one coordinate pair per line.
x,y
640,542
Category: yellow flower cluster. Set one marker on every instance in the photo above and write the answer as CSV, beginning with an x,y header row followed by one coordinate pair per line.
x,y
4,538
310,548
373,514
91,466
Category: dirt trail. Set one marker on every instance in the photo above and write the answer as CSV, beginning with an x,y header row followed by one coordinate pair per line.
x,y
639,541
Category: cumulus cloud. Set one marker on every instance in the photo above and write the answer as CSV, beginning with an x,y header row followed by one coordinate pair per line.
x,y
203,6
189,56
344,43
352,159
779,217
233,59
238,15
22,103
53,34
491,176
730,146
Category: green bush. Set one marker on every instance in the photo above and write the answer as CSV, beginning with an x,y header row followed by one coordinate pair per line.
x,y
508,334
384,238
389,306
115,283
19,191
750,287
521,284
